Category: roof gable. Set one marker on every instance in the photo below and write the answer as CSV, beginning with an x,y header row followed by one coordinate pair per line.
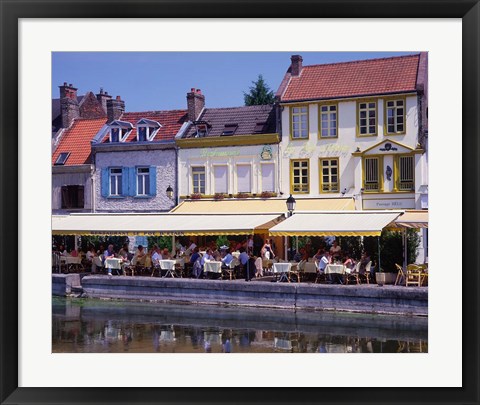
x,y
387,146
354,79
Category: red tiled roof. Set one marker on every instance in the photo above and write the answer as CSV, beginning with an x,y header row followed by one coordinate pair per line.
x,y
171,121
76,141
349,79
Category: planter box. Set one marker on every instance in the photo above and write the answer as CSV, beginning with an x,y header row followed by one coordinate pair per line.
x,y
385,278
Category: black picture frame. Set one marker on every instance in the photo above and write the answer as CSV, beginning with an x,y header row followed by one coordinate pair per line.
x,y
11,11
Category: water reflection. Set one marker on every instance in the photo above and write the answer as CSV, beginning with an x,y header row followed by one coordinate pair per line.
x,y
90,326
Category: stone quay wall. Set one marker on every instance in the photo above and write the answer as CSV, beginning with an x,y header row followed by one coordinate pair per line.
x,y
350,298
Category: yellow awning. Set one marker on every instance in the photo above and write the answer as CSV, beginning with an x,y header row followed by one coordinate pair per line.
x,y
265,206
411,219
340,223
162,224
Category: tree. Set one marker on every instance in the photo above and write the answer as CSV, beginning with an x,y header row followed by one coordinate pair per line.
x,y
259,93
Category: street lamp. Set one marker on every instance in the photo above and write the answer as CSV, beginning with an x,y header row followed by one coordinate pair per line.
x,y
290,205
170,192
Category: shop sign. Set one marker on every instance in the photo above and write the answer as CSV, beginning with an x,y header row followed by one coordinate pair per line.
x,y
266,153
389,204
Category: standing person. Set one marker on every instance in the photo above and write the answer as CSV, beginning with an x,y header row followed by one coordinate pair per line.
x,y
250,245
250,267
267,252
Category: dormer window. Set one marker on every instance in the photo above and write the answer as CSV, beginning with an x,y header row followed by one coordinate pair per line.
x,y
147,129
119,131
62,158
229,129
259,127
202,129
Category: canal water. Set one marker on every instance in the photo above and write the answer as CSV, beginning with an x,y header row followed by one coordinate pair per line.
x,y
96,326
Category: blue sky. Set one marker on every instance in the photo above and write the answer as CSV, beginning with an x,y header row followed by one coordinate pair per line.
x,y
161,80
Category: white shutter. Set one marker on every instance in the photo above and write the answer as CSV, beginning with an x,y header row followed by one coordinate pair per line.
x,y
244,183
268,177
220,174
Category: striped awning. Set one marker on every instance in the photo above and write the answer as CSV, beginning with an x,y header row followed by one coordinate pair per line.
x,y
162,224
339,223
412,219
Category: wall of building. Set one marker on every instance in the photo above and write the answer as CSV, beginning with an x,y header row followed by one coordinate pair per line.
x,y
342,147
165,163
71,179
230,156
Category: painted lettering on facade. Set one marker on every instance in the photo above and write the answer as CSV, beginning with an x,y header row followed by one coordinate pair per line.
x,y
218,153
309,150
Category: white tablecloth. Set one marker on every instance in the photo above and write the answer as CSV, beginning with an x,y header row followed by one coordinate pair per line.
x,y
335,269
166,264
281,267
113,263
71,259
213,267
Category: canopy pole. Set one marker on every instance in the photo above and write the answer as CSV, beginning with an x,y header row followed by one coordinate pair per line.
x,y
174,250
405,249
379,260
285,238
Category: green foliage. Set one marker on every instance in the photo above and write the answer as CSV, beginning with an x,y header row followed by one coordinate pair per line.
x,y
162,242
221,241
351,245
259,93
391,248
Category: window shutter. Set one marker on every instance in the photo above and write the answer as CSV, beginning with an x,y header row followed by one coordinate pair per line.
x,y
220,174
105,181
153,180
132,182
244,179
125,181
268,177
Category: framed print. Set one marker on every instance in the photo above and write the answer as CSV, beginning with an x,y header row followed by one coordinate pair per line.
x,y
34,370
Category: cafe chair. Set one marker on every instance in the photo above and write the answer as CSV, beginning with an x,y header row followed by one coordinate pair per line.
x,y
354,275
309,270
414,275
400,275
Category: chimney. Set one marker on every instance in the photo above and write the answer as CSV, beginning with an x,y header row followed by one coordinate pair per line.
x,y
115,108
102,98
195,103
296,66
68,104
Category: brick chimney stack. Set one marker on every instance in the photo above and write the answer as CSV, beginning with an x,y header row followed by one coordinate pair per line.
x,y
102,98
296,66
68,104
115,108
195,103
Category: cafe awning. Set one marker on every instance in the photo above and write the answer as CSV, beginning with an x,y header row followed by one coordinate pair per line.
x,y
259,205
412,219
339,223
162,224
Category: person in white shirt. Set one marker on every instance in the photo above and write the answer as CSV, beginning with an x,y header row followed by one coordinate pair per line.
x,y
322,263
227,259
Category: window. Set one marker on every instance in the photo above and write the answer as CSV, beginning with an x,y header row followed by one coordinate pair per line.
x,y
202,130
229,129
367,118
328,121
259,127
62,158
72,197
198,180
299,122
118,134
145,133
220,175
143,181
372,174
268,177
395,116
404,173
244,178
299,173
329,176
116,181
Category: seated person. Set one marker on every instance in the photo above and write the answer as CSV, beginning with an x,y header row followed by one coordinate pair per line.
x,y
89,257
139,257
243,256
207,257
348,262
322,263
335,251
227,259
166,254
364,260
109,254
156,256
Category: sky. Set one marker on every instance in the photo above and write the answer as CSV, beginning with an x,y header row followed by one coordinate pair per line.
x,y
160,80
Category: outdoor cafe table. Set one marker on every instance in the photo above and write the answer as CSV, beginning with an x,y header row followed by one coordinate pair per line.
x,y
282,269
213,267
113,263
169,266
71,262
336,270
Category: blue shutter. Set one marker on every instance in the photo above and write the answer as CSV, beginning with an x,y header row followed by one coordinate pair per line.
x,y
124,181
132,175
153,180
105,181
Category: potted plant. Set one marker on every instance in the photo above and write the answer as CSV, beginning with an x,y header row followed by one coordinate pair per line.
x,y
219,196
267,194
243,195
195,196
